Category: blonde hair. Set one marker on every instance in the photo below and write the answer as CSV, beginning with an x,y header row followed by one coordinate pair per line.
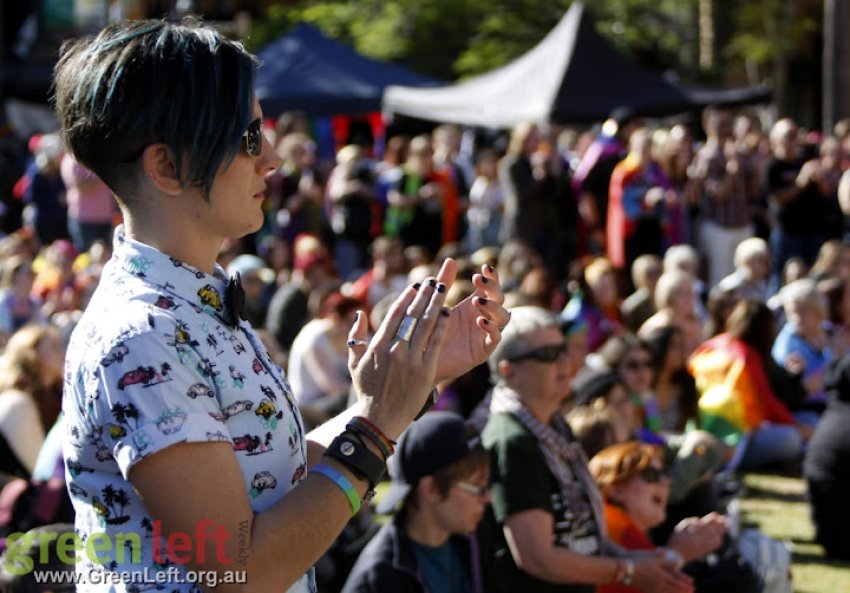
x,y
749,249
348,154
519,136
11,267
641,267
20,365
803,292
680,257
668,284
596,269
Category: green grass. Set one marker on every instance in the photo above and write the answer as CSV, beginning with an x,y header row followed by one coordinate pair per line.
x,y
777,506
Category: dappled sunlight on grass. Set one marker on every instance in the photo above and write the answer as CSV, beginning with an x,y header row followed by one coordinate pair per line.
x,y
777,505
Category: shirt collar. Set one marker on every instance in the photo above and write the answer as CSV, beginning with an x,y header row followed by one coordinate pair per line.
x,y
174,278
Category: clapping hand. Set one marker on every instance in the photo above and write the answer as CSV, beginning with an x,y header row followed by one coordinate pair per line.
x,y
475,323
421,343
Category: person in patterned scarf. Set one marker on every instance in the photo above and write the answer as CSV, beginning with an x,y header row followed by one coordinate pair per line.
x,y
543,496
185,449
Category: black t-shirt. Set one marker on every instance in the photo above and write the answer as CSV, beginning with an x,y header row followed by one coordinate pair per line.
x,y
803,216
521,481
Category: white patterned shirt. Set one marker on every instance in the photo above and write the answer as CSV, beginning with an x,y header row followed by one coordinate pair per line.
x,y
154,362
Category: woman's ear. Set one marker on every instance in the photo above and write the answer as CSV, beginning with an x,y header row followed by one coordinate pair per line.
x,y
160,169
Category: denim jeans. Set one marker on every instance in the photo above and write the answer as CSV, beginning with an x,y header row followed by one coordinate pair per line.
x,y
769,444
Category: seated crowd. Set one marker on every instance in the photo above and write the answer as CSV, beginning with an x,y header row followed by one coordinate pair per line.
x,y
680,315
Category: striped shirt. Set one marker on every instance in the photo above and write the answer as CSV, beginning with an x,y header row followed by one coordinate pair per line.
x,y
728,209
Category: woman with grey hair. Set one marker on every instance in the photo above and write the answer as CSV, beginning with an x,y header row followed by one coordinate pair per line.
x,y
543,496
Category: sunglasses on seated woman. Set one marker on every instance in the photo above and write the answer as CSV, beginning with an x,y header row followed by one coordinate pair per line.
x,y
253,137
548,353
653,475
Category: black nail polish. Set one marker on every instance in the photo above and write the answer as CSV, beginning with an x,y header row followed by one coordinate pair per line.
x,y
417,286
444,312
351,342
482,301
441,288
486,322
432,283
357,316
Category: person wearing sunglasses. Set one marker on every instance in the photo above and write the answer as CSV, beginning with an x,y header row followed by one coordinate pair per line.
x,y
440,484
552,537
179,422
635,486
693,456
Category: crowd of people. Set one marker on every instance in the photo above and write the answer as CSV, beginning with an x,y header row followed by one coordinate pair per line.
x,y
679,306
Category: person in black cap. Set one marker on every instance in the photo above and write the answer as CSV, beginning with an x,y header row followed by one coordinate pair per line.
x,y
440,475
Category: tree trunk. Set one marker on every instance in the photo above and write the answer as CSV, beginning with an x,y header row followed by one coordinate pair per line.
x,y
836,63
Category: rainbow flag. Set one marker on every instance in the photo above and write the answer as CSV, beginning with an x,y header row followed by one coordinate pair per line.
x,y
735,395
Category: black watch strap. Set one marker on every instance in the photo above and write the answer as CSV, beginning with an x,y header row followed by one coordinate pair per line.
x,y
356,456
432,399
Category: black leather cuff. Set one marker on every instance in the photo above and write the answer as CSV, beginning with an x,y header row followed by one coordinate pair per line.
x,y
356,456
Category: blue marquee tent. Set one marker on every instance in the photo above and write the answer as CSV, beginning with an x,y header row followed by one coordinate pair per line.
x,y
306,71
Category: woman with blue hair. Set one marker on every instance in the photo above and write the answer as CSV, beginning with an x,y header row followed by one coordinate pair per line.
x,y
184,438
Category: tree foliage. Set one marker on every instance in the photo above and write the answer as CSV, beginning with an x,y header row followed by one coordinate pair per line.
x,y
769,30
450,39
425,35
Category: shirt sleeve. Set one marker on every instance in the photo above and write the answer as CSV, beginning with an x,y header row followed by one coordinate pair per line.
x,y
521,480
158,394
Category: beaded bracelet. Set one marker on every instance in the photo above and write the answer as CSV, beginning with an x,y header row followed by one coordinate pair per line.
x,y
361,425
344,484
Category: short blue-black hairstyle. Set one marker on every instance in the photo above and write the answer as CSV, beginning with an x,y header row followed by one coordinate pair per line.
x,y
142,82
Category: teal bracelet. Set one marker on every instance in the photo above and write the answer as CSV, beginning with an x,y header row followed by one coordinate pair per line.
x,y
340,480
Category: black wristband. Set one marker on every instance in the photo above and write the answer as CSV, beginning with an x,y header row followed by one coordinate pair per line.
x,y
356,456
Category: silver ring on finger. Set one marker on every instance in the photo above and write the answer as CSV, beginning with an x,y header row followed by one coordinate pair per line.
x,y
405,330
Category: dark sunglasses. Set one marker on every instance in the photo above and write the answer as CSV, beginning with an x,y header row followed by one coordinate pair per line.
x,y
253,137
634,365
653,475
549,353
